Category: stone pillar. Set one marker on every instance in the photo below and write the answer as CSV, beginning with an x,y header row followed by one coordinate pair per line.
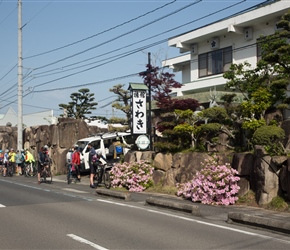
x,y
265,178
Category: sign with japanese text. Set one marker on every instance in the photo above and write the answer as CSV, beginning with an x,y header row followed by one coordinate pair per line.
x,y
139,116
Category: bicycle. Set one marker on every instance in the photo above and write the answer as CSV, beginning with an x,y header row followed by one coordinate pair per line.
x,y
30,169
102,175
46,174
10,169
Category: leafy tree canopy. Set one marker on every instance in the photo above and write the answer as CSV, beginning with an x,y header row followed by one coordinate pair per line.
x,y
82,102
123,100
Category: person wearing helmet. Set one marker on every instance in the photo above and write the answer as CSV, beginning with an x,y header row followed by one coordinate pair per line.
x,y
29,159
76,161
43,160
1,157
5,162
18,161
12,159
92,152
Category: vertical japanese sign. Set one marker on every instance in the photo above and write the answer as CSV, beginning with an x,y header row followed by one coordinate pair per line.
x,y
139,112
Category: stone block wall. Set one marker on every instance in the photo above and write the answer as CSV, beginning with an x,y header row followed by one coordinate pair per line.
x,y
58,137
267,176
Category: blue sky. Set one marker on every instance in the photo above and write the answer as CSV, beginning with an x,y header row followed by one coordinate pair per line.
x,y
69,45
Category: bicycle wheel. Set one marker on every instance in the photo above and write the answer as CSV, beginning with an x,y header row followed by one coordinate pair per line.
x,y
34,169
107,179
49,176
68,174
96,178
25,170
10,170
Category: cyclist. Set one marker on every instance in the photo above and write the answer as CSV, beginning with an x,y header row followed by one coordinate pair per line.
x,y
18,161
97,161
43,161
92,153
11,158
29,159
76,161
1,160
5,162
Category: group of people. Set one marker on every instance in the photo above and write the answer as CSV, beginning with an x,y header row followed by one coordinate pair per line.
x,y
15,159
19,158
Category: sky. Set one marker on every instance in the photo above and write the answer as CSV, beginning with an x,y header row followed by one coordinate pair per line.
x,y
68,45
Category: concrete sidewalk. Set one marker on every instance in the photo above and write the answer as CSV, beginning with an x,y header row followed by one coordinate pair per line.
x,y
252,216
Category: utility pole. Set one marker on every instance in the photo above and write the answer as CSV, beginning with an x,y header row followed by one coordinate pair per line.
x,y
149,103
20,76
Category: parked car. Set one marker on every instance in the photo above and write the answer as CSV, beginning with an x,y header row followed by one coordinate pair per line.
x,y
106,143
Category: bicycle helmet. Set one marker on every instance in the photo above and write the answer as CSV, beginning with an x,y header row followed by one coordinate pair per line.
x,y
99,152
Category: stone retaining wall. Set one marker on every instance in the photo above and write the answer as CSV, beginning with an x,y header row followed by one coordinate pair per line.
x,y
266,176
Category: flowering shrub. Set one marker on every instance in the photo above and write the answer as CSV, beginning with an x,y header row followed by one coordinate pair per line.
x,y
135,176
214,184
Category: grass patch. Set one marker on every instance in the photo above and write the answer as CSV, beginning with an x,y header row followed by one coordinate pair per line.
x,y
162,189
278,204
248,199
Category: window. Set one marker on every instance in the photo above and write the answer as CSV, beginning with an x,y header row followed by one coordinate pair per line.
x,y
215,62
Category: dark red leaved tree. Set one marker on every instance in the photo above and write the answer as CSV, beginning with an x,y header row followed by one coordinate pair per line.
x,y
161,86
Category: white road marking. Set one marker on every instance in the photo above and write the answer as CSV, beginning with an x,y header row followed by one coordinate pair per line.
x,y
2,205
199,221
75,190
82,240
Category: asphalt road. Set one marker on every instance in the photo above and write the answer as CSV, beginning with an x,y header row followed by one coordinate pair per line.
x,y
58,216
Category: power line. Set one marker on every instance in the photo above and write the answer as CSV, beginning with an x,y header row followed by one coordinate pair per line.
x,y
102,32
109,80
145,40
8,15
171,29
118,49
122,35
37,13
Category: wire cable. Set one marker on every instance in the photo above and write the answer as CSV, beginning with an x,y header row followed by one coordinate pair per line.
x,y
8,15
123,47
102,32
37,13
122,35
152,37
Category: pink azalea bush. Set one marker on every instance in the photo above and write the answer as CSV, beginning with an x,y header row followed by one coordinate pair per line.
x,y
215,184
135,176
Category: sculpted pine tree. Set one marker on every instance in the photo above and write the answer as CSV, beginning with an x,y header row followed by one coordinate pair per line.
x,y
81,105
123,101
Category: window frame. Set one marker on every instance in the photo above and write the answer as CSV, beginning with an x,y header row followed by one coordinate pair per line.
x,y
215,62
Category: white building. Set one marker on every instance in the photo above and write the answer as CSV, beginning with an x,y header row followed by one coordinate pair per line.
x,y
208,51
34,119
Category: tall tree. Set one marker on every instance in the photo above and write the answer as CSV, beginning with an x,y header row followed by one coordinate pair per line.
x,y
81,105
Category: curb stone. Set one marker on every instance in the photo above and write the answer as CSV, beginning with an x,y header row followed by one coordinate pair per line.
x,y
193,209
254,220
120,195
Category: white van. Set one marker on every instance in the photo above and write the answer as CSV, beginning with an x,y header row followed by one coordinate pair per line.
x,y
103,142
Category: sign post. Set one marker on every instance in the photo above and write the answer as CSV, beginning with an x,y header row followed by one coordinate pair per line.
x,y
139,110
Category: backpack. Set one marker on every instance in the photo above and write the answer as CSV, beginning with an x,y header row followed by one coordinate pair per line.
x,y
119,149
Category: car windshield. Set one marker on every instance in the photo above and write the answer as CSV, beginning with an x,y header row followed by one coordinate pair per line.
x,y
82,145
